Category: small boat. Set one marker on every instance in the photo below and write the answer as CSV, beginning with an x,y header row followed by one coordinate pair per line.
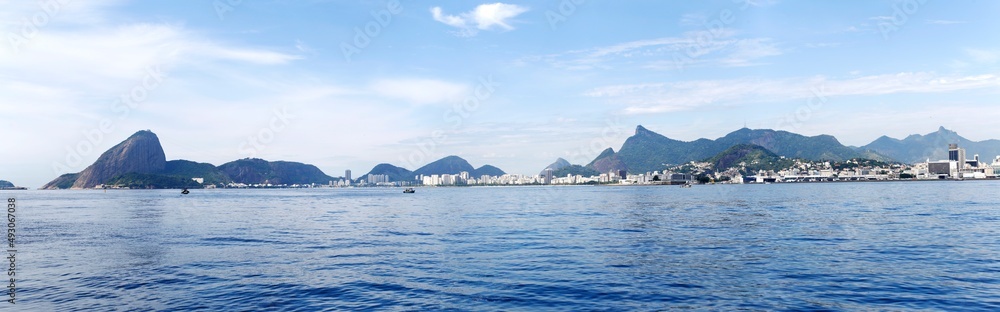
x,y
686,185
185,191
409,190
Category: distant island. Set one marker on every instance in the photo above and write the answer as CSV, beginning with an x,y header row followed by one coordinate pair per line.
x,y
7,185
743,156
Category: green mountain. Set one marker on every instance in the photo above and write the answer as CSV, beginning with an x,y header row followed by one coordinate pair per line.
x,y
649,151
189,169
575,170
749,158
62,182
487,170
447,165
5,183
259,171
934,146
396,174
791,145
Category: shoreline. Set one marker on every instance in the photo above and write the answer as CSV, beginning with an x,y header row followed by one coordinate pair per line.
x,y
535,185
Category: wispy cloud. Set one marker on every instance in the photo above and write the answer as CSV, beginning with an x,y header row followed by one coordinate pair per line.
x,y
723,48
420,91
689,95
483,17
94,58
944,22
983,56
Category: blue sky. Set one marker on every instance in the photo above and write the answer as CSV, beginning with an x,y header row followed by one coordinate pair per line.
x,y
516,84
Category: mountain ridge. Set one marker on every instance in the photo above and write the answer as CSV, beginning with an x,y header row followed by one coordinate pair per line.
x,y
934,146
648,151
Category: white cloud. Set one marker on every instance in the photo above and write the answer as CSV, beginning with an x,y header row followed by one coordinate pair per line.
x,y
483,17
489,15
420,91
689,95
450,20
721,48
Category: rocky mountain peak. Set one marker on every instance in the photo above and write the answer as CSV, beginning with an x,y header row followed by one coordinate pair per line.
x,y
140,153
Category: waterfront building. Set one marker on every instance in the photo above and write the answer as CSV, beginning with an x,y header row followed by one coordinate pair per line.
x,y
958,167
956,154
996,167
378,178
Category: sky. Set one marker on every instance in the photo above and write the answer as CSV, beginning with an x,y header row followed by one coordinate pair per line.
x,y
515,84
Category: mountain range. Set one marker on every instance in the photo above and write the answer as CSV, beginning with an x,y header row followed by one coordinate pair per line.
x,y
934,146
139,161
448,165
647,151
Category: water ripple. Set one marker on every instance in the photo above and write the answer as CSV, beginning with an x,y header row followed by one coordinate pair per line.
x,y
816,247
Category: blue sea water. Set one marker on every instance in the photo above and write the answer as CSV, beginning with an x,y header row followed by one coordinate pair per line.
x,y
839,247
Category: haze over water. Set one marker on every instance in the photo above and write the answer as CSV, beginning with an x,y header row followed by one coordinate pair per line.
x,y
853,246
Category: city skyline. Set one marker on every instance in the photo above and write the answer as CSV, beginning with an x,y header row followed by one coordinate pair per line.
x,y
515,84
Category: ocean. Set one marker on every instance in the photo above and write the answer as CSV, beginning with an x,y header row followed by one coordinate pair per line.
x,y
830,247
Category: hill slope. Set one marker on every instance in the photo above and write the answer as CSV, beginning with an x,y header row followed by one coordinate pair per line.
x,y
447,165
259,171
749,158
607,161
575,170
487,170
396,174
189,169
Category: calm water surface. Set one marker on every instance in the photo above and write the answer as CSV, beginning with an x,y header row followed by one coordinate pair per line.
x,y
852,246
